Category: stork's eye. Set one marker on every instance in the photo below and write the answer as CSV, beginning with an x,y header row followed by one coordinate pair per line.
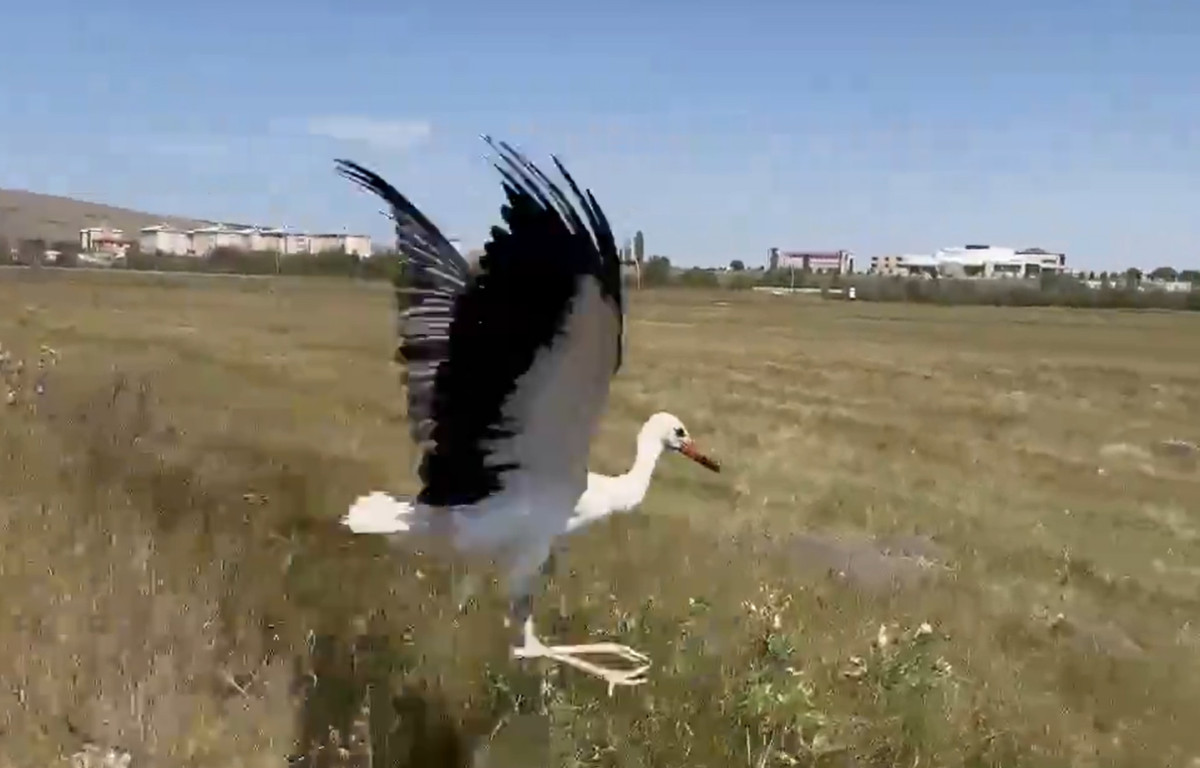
x,y
679,432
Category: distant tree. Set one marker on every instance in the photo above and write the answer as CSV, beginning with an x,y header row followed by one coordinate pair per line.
x,y
657,271
30,251
66,247
241,262
743,280
1164,273
68,258
699,278
1133,276
1048,281
737,265
1091,276
1190,276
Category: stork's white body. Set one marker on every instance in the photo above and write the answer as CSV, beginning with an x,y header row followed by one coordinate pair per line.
x,y
605,495
379,513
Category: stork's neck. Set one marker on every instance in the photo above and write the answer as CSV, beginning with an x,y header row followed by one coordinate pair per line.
x,y
637,480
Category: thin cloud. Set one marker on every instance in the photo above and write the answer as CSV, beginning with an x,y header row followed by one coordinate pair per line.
x,y
395,135
188,147
173,145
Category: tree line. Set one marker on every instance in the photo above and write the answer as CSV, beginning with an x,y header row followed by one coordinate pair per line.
x,y
1128,289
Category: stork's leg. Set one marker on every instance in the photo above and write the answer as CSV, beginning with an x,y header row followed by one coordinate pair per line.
x,y
533,648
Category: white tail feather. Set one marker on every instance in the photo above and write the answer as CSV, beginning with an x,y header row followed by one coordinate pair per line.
x,y
379,513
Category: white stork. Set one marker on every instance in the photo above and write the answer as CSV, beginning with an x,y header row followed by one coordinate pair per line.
x,y
508,369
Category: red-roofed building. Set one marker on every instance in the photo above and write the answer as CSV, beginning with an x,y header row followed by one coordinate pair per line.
x,y
821,262
111,242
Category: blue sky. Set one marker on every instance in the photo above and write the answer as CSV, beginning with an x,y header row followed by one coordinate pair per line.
x,y
720,129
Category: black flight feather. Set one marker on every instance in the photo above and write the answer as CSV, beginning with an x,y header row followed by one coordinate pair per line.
x,y
467,336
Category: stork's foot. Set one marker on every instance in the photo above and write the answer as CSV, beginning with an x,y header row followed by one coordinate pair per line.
x,y
570,655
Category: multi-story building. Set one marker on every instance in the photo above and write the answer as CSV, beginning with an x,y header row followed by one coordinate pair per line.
x,y
975,261
821,262
164,238
202,241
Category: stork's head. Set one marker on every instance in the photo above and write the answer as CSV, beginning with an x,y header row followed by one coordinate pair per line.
x,y
669,429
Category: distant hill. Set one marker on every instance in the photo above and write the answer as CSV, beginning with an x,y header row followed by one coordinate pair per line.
x,y
30,216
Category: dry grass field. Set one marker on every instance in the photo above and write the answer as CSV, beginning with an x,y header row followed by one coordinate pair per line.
x,y
990,492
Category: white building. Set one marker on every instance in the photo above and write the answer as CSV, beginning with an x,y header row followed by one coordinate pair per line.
x,y
973,261
296,243
164,238
267,240
202,241
357,245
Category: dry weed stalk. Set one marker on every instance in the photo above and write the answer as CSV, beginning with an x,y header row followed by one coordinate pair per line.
x,y
92,756
18,381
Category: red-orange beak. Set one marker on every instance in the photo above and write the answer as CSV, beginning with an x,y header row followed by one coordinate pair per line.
x,y
688,448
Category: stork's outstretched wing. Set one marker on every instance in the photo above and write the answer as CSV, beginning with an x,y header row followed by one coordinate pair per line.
x,y
508,366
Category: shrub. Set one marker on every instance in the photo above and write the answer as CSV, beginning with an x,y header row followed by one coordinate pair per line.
x,y
1049,291
699,278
